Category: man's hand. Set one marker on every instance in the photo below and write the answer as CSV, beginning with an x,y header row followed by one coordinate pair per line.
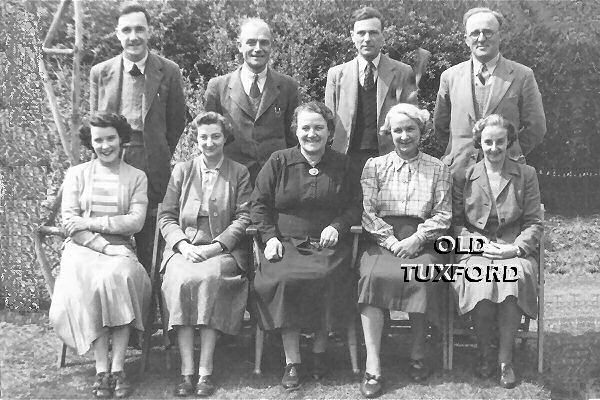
x,y
499,251
75,224
329,237
273,249
407,248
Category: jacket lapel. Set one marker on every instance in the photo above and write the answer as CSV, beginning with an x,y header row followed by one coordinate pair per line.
x,y
349,94
270,93
237,94
503,78
479,178
509,170
112,77
154,75
385,75
465,85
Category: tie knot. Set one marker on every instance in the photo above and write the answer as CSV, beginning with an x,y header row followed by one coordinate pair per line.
x,y
483,74
135,71
369,76
254,89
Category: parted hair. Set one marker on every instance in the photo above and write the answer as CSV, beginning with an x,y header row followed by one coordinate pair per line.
x,y
133,7
104,119
420,116
494,120
366,13
477,10
318,108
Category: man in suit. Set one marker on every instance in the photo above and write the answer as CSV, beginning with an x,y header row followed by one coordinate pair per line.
x,y
361,91
486,84
256,100
148,90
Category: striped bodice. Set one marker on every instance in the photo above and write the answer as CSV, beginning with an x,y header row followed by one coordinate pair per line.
x,y
105,192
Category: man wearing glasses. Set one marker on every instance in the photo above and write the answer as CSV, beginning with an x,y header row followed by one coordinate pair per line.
x,y
486,84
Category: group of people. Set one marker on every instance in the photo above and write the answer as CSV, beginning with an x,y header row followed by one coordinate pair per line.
x,y
303,174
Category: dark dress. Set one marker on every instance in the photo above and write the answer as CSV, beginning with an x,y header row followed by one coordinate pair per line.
x,y
309,286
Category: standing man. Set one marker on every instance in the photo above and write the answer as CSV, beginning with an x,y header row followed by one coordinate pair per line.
x,y
148,90
257,100
486,84
361,91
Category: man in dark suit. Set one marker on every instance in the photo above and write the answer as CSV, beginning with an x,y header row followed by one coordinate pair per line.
x,y
361,91
257,100
148,90
486,84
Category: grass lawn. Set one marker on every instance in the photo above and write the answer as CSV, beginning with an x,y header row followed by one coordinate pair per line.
x,y
572,351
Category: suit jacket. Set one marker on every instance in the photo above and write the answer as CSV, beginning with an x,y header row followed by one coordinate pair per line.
x,y
131,203
163,111
514,95
255,137
517,205
395,84
228,208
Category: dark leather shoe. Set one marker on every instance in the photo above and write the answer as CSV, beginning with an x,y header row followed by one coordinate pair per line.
x,y
205,386
102,387
486,367
319,365
371,386
418,370
291,377
508,380
186,387
122,385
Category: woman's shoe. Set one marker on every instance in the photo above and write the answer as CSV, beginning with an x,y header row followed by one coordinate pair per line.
x,y
319,365
205,386
102,387
291,377
418,370
486,367
371,386
508,380
121,384
186,387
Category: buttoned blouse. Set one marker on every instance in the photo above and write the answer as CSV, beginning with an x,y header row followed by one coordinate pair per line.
x,y
419,188
209,177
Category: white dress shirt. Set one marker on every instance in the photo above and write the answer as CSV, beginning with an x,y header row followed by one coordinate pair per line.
x,y
362,65
491,66
127,64
247,77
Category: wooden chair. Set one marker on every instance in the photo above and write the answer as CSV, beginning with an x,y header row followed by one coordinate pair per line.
x,y
524,333
401,325
260,335
46,230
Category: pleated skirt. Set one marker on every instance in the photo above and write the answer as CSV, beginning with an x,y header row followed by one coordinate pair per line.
x,y
95,292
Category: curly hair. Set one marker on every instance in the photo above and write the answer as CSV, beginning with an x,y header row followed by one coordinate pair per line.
x,y
104,119
214,118
494,120
420,116
318,108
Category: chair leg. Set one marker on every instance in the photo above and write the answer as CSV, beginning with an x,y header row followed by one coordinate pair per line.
x,y
444,323
62,356
258,350
353,347
450,328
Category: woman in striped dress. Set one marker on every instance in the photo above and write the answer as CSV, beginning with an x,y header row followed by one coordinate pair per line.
x,y
102,290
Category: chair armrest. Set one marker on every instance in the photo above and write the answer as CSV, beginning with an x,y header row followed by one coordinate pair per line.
x,y
356,229
252,230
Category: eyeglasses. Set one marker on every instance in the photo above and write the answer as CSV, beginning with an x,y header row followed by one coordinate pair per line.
x,y
487,33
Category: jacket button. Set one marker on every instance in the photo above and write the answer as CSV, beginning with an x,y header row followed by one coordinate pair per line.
x,y
215,214
214,199
502,220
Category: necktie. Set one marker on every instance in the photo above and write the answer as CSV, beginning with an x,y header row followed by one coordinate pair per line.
x,y
135,71
254,90
369,80
483,74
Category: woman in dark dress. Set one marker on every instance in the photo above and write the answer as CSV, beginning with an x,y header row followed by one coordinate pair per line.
x,y
498,198
407,205
303,206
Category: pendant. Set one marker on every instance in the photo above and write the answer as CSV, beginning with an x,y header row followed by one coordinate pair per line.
x,y
313,171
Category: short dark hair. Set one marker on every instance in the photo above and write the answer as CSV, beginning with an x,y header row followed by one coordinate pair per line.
x,y
478,10
494,120
366,13
132,7
214,118
104,119
318,108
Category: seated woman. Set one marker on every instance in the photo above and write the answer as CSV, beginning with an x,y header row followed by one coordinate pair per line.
x,y
102,290
203,218
407,205
303,207
499,199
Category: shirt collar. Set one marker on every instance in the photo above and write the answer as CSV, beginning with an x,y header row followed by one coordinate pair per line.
x,y
127,64
296,156
204,168
362,62
398,162
249,75
491,65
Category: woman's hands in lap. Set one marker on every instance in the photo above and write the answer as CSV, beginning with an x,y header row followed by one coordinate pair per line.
x,y
499,251
406,248
329,237
273,249
75,224
200,252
